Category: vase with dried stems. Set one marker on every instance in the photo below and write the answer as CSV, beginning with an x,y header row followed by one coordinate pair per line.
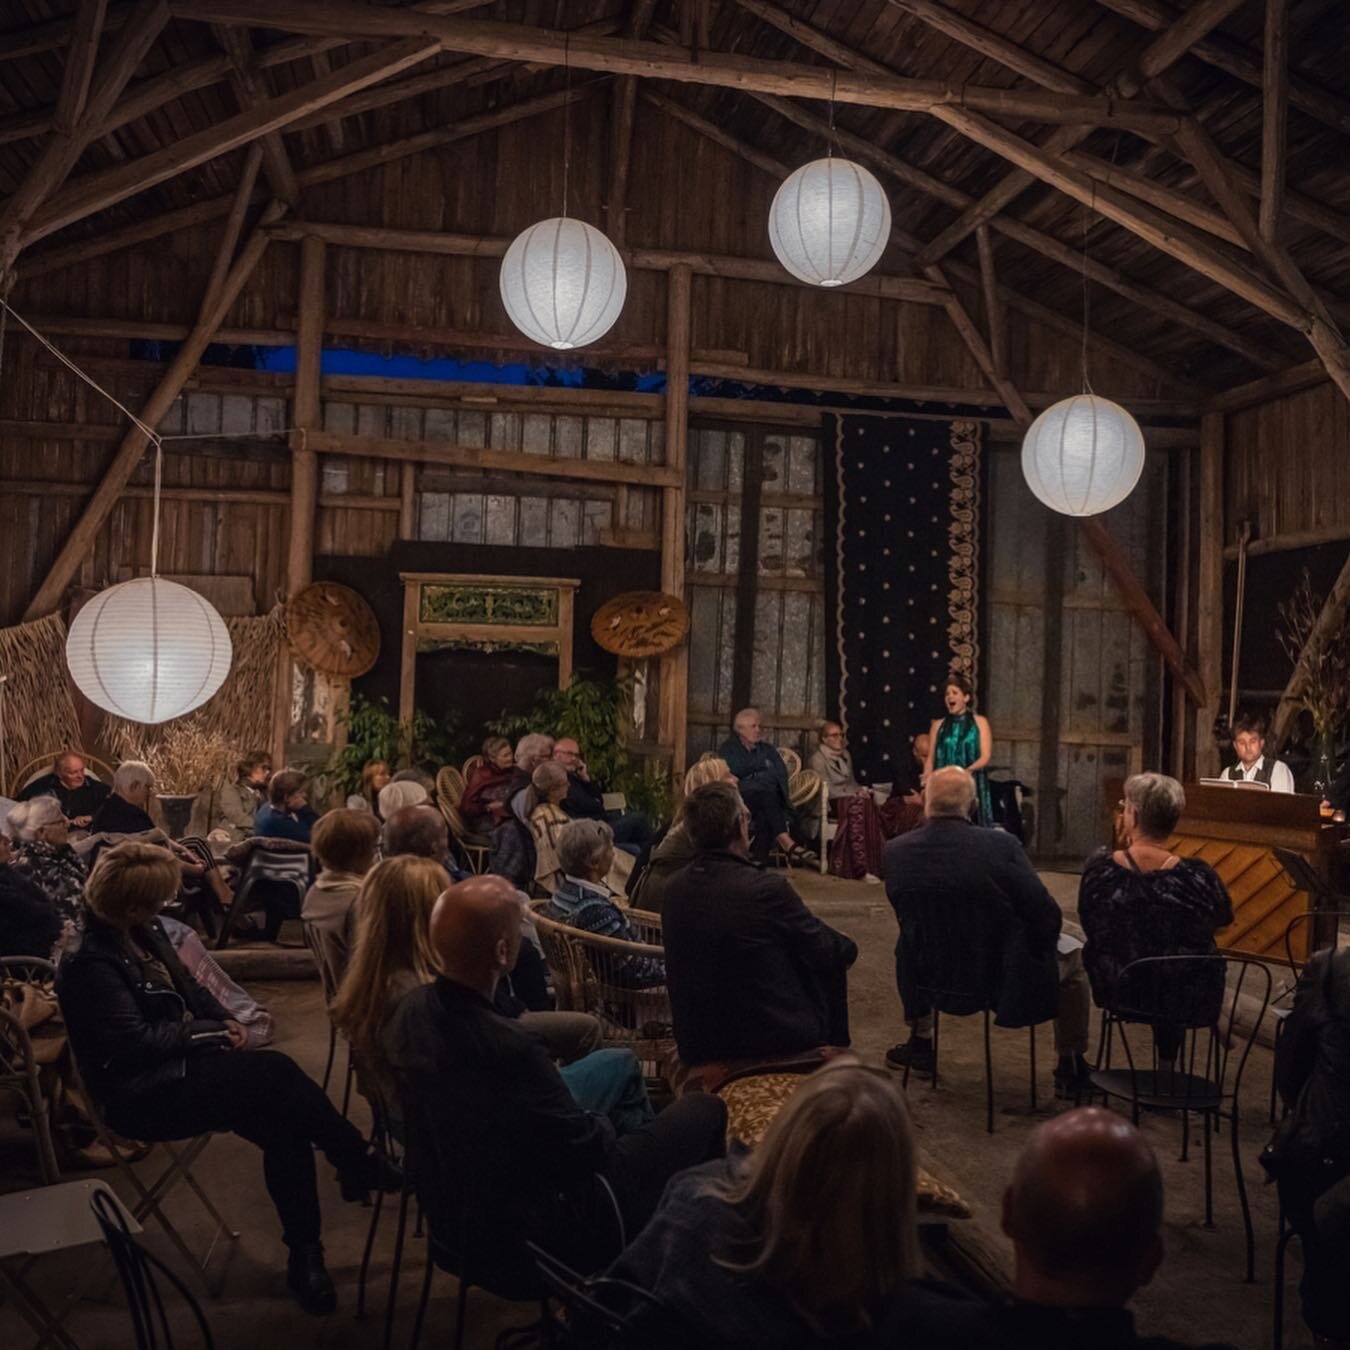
x,y
1320,653
185,757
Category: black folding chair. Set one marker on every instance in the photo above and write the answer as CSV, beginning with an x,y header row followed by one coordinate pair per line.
x,y
1186,1008
273,881
139,1272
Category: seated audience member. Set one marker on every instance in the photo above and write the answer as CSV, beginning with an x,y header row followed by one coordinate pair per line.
x,y
585,800
28,921
375,777
762,1250
1008,958
161,1058
287,813
762,778
907,783
1253,764
1143,901
79,794
584,900
390,955
497,1139
676,850
752,973
43,855
513,852
235,803
1309,1156
1084,1213
123,810
861,832
344,844
531,751
542,809
400,793
484,802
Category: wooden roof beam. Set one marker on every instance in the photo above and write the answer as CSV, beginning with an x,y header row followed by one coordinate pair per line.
x,y
993,306
250,90
1274,116
29,39
522,42
93,192
1046,245
622,106
81,52
66,145
1240,61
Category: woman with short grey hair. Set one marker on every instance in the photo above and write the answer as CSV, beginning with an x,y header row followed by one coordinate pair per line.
x,y
583,899
44,856
1143,900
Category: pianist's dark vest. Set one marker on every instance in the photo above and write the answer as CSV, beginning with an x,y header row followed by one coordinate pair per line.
x,y
1263,774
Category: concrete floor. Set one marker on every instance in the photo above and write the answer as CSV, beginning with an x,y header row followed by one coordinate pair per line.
x,y
1199,1294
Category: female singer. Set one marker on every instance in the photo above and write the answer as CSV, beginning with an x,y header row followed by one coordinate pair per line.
x,y
963,738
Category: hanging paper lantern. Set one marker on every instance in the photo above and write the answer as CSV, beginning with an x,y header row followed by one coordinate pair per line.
x,y
148,650
829,222
563,283
1083,455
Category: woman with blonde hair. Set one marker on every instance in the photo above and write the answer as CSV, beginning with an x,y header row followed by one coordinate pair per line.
x,y
392,953
676,850
811,1238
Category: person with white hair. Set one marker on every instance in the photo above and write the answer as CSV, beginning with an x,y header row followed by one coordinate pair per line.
x,y
763,780
42,854
78,791
394,796
125,809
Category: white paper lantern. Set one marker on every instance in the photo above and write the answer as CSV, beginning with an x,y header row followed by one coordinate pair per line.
x,y
1083,455
829,222
148,650
563,283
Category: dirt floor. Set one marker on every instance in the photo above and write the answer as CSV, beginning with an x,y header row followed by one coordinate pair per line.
x,y
1199,1294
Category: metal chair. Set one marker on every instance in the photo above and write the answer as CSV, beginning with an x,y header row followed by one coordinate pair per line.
x,y
329,983
20,1070
139,1272
274,881
1182,1001
38,1223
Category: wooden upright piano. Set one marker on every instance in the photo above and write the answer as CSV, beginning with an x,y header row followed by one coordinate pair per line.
x,y
1235,831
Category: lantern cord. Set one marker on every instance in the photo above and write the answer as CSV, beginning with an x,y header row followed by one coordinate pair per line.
x,y
834,84
1087,217
567,118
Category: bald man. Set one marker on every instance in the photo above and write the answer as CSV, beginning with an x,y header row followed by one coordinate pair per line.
x,y
974,916
1084,1213
498,1140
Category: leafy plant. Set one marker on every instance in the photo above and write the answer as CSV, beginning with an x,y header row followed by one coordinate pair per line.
x,y
591,712
375,732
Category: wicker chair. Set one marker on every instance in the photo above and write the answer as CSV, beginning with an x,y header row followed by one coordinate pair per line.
x,y
791,759
20,1062
470,765
585,969
449,793
98,769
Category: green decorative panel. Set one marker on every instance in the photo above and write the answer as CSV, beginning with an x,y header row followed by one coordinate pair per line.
x,y
513,606
487,645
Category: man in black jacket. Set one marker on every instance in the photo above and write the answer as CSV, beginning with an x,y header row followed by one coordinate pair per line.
x,y
752,973
163,1060
977,920
79,794
502,1151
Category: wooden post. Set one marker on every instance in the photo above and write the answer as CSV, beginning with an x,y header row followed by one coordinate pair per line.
x,y
305,417
675,665
407,501
1209,591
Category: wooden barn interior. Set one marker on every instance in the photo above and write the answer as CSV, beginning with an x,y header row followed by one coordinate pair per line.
x,y
258,243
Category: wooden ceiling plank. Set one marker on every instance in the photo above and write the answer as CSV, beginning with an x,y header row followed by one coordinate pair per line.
x,y
95,191
65,146
520,42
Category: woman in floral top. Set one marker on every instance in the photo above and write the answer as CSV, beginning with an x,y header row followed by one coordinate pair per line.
x,y
43,854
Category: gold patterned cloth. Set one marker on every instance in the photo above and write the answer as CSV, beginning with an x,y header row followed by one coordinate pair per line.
x,y
754,1100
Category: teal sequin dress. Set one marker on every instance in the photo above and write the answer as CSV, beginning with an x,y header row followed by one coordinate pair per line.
x,y
958,743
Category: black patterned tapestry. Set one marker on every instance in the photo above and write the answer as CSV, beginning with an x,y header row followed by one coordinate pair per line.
x,y
902,569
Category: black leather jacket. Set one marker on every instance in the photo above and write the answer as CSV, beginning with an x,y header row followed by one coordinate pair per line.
x,y
130,1035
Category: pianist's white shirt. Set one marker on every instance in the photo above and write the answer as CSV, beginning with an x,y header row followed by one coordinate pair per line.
x,y
1281,780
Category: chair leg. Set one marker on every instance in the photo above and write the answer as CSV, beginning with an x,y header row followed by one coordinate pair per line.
x,y
1242,1197
347,1086
395,1266
1281,1246
988,1078
364,1272
332,1050
1279,1031
422,1308
1032,1029
461,1313
1209,1174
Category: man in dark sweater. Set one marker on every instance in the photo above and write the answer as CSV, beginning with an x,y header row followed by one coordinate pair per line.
x,y
752,973
1084,1213
585,800
501,1148
79,794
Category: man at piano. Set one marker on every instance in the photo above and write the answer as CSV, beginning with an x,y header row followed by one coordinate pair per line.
x,y
1253,766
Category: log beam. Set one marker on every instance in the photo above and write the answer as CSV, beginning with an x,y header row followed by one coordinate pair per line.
x,y
305,414
1289,381
95,191
521,42
81,539
234,225
81,52
250,90
993,307
674,709
622,106
1274,110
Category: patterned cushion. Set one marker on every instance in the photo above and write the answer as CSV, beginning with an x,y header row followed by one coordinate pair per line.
x,y
755,1099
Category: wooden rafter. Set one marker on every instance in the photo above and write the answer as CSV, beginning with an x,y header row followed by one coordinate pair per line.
x,y
80,541
521,42
1274,109
66,145
993,306
250,91
81,53
622,106
95,191
1242,62
234,225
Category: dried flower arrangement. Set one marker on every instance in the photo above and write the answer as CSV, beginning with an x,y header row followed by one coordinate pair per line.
x,y
1322,667
185,756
